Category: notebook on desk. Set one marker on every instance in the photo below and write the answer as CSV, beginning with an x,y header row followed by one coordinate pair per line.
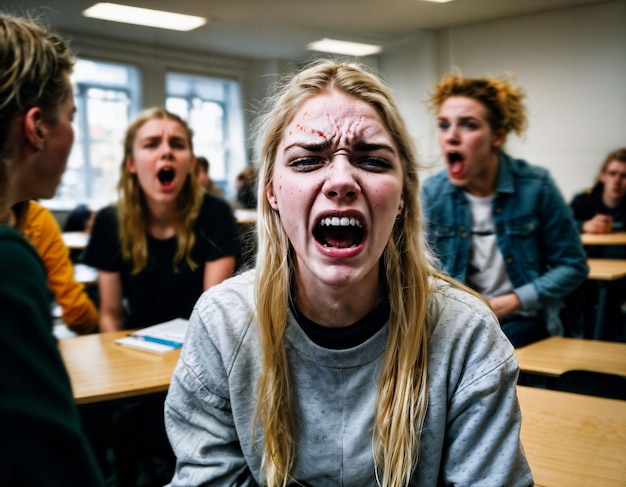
x,y
161,338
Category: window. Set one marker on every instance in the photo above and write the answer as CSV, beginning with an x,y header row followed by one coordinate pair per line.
x,y
107,97
212,108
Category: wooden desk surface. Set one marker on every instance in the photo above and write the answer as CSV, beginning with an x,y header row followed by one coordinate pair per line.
x,y
556,355
85,274
75,240
101,370
606,269
616,238
244,216
573,440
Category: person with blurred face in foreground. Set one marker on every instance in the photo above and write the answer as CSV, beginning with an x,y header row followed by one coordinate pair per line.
x,y
37,410
344,357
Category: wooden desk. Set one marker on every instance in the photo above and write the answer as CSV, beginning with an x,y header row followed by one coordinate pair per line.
x,y
556,355
85,274
245,216
101,370
604,271
572,440
75,240
616,238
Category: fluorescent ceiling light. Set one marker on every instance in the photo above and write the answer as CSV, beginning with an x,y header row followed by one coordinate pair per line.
x,y
144,16
438,1
343,47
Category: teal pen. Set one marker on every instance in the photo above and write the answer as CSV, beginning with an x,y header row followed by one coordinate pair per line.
x,y
162,341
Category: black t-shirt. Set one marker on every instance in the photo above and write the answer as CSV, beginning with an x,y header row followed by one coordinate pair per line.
x,y
159,293
342,338
588,204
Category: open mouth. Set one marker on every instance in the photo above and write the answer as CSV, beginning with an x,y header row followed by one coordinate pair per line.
x,y
455,164
454,157
339,232
166,175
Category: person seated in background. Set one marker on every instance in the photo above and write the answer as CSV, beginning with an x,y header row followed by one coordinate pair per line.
x,y
166,240
497,223
245,189
39,226
204,177
344,357
602,209
42,441
80,219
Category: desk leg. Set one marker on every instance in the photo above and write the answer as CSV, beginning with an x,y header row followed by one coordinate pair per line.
x,y
598,330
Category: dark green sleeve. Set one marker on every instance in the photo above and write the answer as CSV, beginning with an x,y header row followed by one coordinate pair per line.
x,y
42,442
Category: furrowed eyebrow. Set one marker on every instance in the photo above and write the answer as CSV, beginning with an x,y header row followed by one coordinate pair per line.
x,y
316,147
326,145
370,147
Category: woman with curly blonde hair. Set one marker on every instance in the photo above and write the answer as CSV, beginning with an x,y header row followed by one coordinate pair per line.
x,y
345,357
497,223
166,240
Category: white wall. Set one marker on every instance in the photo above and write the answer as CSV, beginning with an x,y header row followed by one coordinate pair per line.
x,y
571,63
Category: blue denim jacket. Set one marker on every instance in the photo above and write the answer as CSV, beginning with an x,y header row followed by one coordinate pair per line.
x,y
535,231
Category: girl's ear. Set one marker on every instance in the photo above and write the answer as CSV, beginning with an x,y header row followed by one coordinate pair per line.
x,y
130,165
34,128
499,139
271,197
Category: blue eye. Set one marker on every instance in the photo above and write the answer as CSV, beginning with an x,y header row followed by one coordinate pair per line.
x,y
374,163
443,125
306,163
470,125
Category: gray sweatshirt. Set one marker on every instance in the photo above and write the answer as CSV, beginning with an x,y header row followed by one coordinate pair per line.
x,y
470,435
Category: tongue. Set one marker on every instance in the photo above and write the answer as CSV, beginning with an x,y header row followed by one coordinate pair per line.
x,y
339,237
456,169
167,185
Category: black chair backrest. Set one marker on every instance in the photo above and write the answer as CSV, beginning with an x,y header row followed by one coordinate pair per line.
x,y
600,384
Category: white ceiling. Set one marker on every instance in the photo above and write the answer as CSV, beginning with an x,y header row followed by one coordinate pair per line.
x,y
280,29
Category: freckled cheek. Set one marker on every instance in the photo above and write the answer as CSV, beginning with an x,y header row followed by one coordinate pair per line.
x,y
387,196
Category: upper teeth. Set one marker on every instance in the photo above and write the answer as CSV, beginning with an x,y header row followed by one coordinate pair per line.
x,y
340,222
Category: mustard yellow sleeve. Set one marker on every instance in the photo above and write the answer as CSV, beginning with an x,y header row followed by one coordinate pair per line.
x,y
41,228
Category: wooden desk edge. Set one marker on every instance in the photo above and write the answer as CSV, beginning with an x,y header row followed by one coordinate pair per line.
x,y
606,269
112,396
531,358
615,238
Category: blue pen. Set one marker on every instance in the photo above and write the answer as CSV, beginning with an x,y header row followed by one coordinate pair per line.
x,y
162,341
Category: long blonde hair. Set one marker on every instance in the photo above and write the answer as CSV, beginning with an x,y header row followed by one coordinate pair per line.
x,y
132,208
402,397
